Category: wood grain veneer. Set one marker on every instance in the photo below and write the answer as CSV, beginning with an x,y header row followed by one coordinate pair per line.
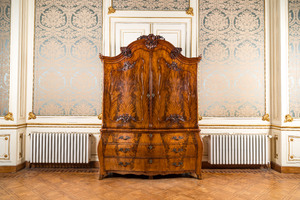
x,y
150,111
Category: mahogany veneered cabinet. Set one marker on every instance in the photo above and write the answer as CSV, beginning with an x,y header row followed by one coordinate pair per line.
x,y
150,111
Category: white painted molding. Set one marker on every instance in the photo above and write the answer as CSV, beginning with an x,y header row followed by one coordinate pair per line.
x,y
14,60
284,24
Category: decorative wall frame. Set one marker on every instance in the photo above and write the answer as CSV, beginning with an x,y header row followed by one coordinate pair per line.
x,y
5,48
214,34
68,42
151,5
293,57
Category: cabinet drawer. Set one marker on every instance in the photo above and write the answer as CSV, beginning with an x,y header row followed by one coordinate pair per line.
x,y
178,138
138,165
151,151
153,138
182,164
135,150
120,137
152,165
181,151
120,150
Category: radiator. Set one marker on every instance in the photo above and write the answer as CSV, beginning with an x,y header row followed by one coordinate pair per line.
x,y
238,149
60,148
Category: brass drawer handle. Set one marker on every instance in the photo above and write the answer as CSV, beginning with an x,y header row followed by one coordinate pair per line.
x,y
178,165
124,164
124,150
177,138
148,95
150,147
150,161
177,151
124,138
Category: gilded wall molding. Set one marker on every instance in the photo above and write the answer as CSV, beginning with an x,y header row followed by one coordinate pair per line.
x,y
6,155
291,156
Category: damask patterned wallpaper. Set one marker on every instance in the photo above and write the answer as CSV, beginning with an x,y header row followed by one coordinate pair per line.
x,y
67,71
151,4
294,57
4,55
231,74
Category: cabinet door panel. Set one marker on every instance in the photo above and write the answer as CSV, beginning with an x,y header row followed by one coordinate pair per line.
x,y
126,86
174,92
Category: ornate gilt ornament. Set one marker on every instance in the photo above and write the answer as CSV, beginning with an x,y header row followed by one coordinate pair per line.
x,y
31,115
199,117
100,116
111,10
190,11
288,118
266,117
9,116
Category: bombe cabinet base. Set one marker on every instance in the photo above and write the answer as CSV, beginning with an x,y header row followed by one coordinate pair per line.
x,y
150,153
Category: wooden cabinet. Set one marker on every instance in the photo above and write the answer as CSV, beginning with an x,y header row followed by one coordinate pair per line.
x,y
150,123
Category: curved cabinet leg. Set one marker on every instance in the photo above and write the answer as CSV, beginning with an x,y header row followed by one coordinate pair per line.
x,y
199,176
101,177
100,157
199,156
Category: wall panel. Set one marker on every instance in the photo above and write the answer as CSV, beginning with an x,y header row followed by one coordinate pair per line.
x,y
294,58
67,71
4,55
232,71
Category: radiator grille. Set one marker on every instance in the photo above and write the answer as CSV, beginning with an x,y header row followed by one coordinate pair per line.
x,y
238,149
60,148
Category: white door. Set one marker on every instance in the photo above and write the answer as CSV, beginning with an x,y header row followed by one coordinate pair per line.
x,y
123,27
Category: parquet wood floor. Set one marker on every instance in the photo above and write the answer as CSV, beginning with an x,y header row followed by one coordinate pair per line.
x,y
83,184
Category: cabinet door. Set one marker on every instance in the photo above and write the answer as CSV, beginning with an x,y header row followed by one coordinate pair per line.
x,y
126,85
174,97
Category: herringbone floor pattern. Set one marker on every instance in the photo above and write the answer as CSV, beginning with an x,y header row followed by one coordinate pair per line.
x,y
83,184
